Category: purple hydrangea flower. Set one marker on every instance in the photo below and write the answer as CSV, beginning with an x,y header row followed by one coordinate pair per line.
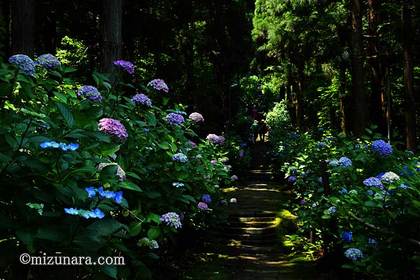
x,y
90,92
234,178
48,61
180,157
373,182
24,63
159,85
174,119
125,65
215,139
381,148
196,117
202,206
171,219
291,179
332,210
206,198
192,144
141,99
113,127
347,236
353,254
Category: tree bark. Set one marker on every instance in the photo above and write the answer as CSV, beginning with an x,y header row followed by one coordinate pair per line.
x,y
111,33
4,23
22,26
359,100
376,61
410,100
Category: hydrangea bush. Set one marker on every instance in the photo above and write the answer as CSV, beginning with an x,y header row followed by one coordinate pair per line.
x,y
97,178
357,198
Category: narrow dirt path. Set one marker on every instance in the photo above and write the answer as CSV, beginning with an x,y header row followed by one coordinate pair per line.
x,y
250,244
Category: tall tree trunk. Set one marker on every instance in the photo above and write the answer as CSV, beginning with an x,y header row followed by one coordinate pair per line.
x,y
111,32
4,24
359,115
410,100
22,26
344,121
299,98
376,61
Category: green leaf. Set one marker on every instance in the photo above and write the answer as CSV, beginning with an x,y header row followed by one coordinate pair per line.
x,y
66,113
130,186
153,233
135,228
110,270
152,217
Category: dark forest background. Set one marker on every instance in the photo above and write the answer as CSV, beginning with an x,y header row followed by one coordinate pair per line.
x,y
346,65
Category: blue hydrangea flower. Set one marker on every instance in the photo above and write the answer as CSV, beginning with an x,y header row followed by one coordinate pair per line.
x,y
91,191
332,210
62,146
389,177
48,61
118,196
71,211
175,119
141,99
24,63
206,198
90,92
353,254
171,219
345,162
347,236
105,194
370,192
403,186
381,148
343,191
96,213
372,242
178,185
180,157
373,182
333,163
321,145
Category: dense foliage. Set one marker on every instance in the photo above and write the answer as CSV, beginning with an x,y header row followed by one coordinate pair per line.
x,y
356,200
110,169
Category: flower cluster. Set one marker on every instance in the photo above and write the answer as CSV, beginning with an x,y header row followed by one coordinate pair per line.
x,y
90,92
180,157
174,119
206,198
48,61
381,148
215,139
159,85
234,178
291,179
115,196
113,127
332,210
196,117
202,206
24,63
178,185
120,172
87,214
171,219
389,177
373,182
141,99
125,65
345,162
146,242
55,145
347,236
353,254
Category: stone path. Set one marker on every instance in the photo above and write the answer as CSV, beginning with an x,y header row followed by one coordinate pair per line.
x,y
250,244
